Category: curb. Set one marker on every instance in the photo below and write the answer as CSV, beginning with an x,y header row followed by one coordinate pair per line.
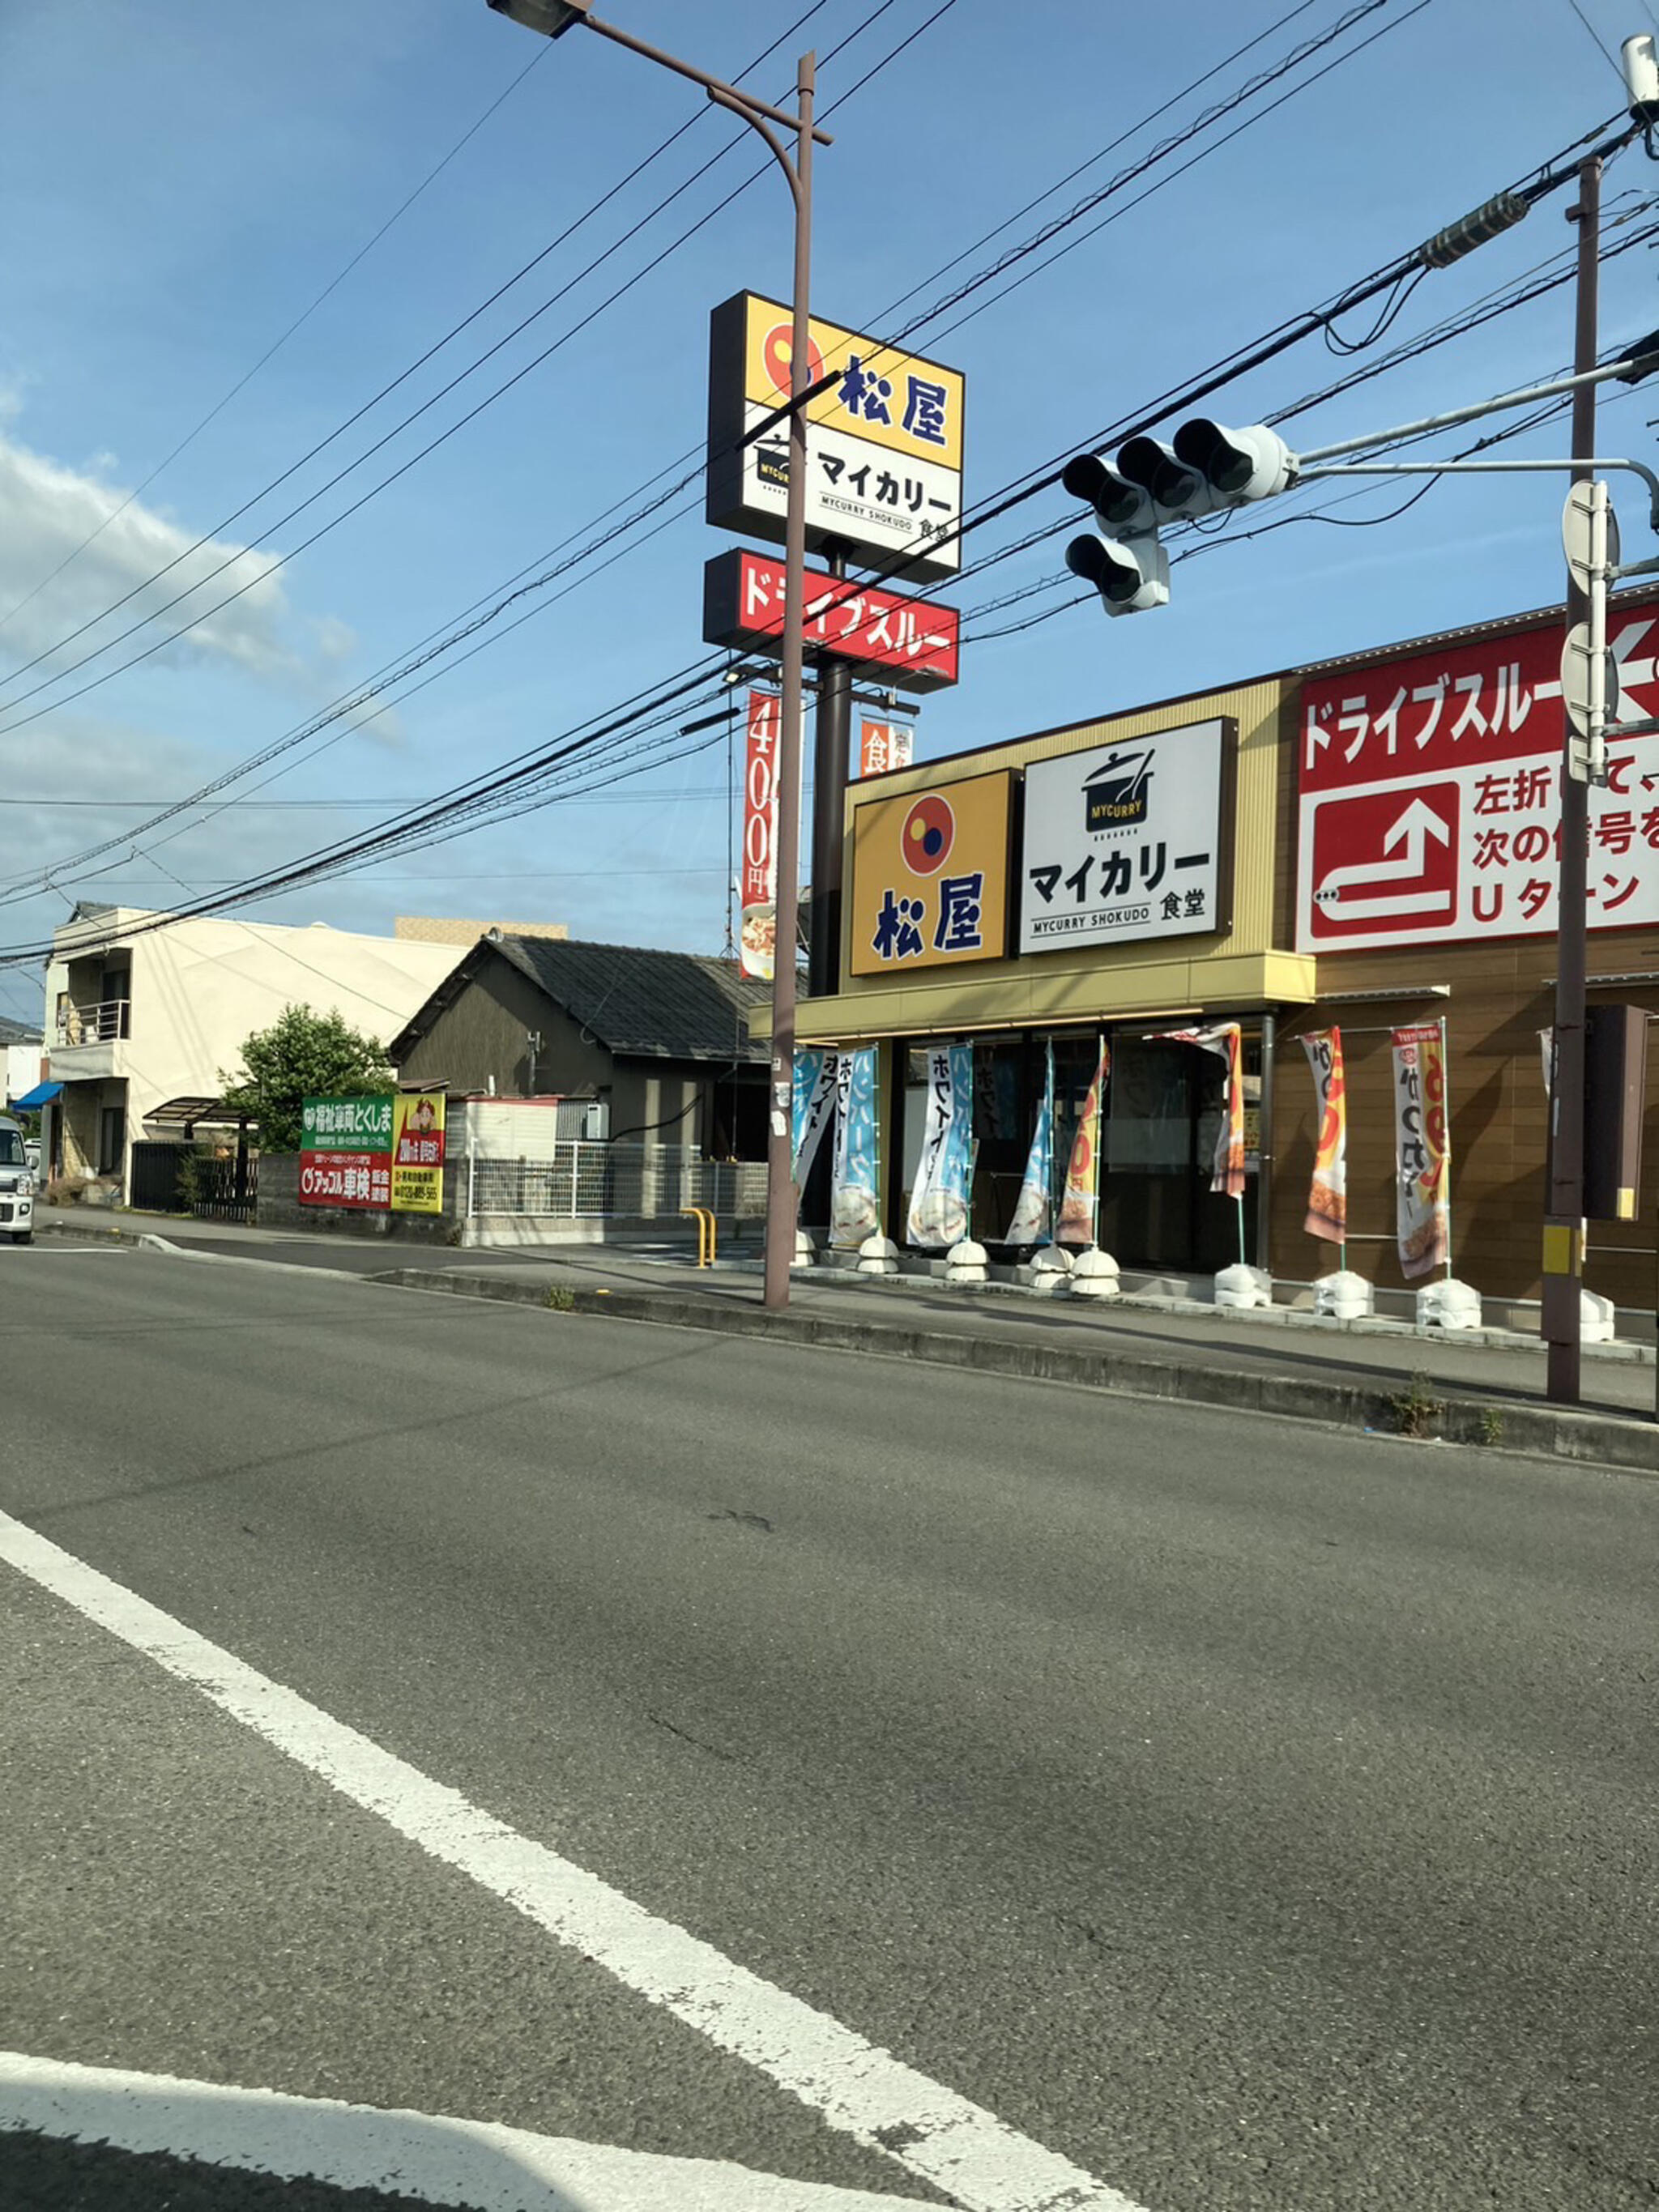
x,y
1536,1431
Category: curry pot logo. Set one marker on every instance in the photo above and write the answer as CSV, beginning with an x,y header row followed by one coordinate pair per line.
x,y
929,832
1114,797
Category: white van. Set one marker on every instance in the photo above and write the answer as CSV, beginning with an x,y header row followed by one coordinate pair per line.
x,y
17,1183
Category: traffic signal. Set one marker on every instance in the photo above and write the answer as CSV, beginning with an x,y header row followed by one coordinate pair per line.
x,y
1237,465
1125,564
1206,468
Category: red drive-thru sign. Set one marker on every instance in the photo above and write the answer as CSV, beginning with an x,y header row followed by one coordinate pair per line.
x,y
1429,794
759,884
908,642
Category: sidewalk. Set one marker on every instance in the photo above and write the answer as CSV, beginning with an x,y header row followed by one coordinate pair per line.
x,y
1380,1376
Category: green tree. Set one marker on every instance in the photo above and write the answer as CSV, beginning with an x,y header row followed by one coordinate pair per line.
x,y
304,1055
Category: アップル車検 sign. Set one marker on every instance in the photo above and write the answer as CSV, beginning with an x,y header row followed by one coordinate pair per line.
x,y
1429,794
1129,841
884,439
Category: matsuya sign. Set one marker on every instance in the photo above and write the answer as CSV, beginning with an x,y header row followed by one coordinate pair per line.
x,y
1129,840
929,877
884,439
1430,794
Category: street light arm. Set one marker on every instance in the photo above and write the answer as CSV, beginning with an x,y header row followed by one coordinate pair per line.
x,y
741,103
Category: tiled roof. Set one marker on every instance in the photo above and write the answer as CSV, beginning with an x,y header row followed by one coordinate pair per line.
x,y
668,1006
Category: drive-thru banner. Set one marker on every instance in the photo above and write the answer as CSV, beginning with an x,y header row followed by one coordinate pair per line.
x,y
1327,1196
1422,1150
940,1202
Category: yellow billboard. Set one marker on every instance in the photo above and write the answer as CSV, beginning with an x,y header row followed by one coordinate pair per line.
x,y
929,877
417,1152
884,438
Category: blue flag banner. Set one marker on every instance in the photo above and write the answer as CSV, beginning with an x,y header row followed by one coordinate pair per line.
x,y
1034,1208
854,1210
814,1102
940,1202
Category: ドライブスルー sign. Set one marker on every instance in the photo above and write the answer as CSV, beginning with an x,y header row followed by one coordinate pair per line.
x,y
1429,794
893,636
884,439
1129,840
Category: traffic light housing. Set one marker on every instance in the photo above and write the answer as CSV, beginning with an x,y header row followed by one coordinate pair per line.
x,y
1125,564
1207,468
1237,465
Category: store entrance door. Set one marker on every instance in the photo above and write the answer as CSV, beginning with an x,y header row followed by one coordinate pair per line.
x,y
1164,1108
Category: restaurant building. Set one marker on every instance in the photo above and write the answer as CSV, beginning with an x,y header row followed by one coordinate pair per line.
x,y
1367,844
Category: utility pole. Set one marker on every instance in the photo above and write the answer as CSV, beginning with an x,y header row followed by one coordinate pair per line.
x,y
1564,1212
832,731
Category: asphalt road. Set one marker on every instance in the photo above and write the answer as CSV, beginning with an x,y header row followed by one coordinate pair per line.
x,y
1253,1817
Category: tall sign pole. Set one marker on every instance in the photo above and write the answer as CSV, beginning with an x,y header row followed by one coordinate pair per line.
x,y
1564,1212
781,1198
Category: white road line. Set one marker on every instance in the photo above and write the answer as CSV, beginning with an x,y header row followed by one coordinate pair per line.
x,y
443,2161
852,2084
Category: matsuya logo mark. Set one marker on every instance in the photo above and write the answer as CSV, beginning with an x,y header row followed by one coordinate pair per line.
x,y
929,832
1115,796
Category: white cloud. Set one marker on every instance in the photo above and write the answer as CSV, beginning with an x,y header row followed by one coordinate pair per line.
x,y
52,510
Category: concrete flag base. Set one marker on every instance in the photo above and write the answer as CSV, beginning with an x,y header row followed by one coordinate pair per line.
x,y
1448,1305
879,1256
1344,1296
1094,1275
966,1264
1241,1286
1597,1315
1048,1272
806,1252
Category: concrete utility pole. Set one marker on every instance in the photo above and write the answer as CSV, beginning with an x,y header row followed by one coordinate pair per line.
x,y
1564,1212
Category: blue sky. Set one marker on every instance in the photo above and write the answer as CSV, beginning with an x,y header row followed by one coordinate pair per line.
x,y
182,182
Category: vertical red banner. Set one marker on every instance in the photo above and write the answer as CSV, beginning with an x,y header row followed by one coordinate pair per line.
x,y
759,882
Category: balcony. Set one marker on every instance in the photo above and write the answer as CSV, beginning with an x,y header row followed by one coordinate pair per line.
x,y
87,1039
102,1024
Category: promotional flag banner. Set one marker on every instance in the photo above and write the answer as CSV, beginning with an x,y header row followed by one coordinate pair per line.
x,y
1422,1151
854,1211
1034,1208
1327,1197
1079,1202
939,1202
814,1104
758,881
1227,1177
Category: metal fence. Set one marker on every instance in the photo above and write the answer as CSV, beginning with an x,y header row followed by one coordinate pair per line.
x,y
641,1183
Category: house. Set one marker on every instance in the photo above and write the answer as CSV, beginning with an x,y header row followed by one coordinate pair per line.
x,y
143,1012
659,1042
23,1050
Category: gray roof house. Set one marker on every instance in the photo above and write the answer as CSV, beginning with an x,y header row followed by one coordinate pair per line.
x,y
659,1039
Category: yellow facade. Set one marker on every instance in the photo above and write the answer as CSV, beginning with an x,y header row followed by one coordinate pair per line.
x,y
1072,986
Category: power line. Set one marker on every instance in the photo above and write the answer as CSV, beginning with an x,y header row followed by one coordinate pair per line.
x,y
1285,335
277,345
236,513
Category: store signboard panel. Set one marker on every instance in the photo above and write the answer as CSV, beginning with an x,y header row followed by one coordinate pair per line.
x,y
884,438
893,636
929,877
1428,795
1129,842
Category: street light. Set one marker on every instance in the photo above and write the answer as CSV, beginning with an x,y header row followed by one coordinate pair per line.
x,y
553,18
